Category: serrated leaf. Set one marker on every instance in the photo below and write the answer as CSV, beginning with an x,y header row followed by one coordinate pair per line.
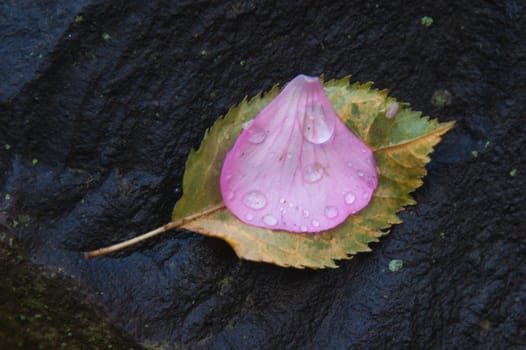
x,y
401,147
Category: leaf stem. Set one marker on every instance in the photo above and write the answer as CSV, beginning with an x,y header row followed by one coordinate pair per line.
x,y
145,236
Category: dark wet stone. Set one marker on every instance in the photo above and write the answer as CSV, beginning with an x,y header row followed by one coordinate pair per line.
x,y
118,93
42,308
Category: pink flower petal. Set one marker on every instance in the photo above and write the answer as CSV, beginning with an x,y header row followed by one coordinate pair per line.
x,y
296,166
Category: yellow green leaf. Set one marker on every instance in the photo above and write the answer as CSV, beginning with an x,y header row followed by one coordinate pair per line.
x,y
401,146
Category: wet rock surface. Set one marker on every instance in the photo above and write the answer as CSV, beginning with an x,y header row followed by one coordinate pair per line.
x,y
42,308
102,101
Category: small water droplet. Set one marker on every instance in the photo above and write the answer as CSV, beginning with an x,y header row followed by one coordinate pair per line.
x,y
291,204
289,155
360,173
364,149
331,212
318,125
256,135
246,124
249,217
350,198
392,110
315,223
229,195
282,200
349,164
365,195
306,213
270,220
303,228
313,172
255,200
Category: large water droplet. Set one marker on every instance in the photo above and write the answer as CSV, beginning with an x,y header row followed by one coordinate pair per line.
x,y
318,125
270,220
313,172
331,212
256,135
255,200
349,198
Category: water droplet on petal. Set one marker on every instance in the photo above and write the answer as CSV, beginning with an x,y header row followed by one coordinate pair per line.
x,y
313,172
360,173
315,223
318,125
255,200
256,135
365,195
289,155
249,217
349,164
306,213
229,195
303,228
246,124
331,212
350,198
270,220
364,149
282,200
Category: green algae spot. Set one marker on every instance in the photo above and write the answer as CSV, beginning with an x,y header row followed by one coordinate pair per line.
x,y
396,265
426,21
441,98
24,219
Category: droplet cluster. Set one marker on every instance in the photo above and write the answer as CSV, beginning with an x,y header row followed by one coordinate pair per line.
x,y
305,174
